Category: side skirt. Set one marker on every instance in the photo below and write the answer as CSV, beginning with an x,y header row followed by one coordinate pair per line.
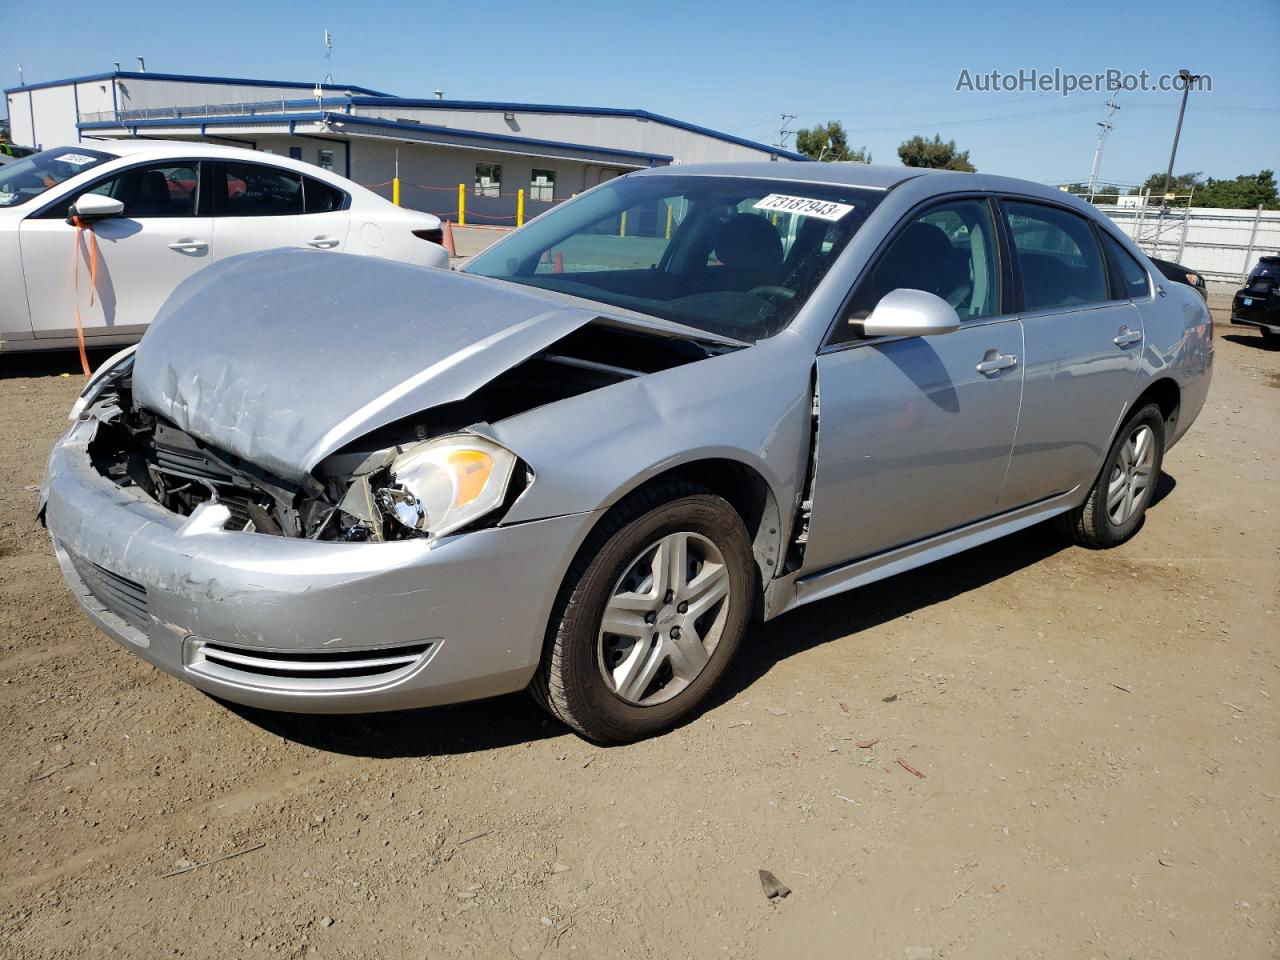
x,y
827,583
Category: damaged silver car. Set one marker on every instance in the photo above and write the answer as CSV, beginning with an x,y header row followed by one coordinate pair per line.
x,y
690,397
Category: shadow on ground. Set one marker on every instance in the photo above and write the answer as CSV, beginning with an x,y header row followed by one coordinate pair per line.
x,y
52,363
1256,342
504,721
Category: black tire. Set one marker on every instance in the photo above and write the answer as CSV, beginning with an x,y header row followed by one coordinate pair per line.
x,y
1090,524
1269,338
570,681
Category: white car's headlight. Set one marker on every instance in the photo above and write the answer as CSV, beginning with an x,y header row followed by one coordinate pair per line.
x,y
114,365
447,483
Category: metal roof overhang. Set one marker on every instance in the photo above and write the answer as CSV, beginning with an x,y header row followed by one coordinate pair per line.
x,y
372,128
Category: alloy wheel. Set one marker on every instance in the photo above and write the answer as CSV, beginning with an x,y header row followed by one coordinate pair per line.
x,y
1131,475
663,619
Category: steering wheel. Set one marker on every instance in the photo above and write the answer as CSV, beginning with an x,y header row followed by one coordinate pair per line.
x,y
769,291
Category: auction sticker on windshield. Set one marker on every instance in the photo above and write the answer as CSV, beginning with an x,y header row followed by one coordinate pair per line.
x,y
75,159
803,206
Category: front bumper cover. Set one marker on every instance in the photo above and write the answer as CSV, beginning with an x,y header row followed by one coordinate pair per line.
x,y
248,616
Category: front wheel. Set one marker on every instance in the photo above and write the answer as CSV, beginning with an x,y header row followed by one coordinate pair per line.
x,y
650,615
1119,499
1269,338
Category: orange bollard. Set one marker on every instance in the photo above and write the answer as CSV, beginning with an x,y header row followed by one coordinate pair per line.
x,y
559,262
448,239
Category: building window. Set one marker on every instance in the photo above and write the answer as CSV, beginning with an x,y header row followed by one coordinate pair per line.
x,y
542,185
488,179
326,159
295,153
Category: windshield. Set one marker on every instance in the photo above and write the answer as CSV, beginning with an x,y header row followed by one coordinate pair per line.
x,y
31,176
730,255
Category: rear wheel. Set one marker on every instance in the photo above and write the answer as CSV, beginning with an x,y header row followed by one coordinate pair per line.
x,y
1269,338
650,614
1119,499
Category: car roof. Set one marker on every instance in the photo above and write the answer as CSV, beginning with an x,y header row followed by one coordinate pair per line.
x,y
850,174
872,176
161,149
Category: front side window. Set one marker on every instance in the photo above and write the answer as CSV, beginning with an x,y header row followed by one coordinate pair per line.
x,y
254,190
150,192
542,185
1129,278
731,255
488,179
25,179
950,250
1058,257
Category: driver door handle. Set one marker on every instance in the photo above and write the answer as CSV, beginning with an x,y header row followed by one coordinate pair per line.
x,y
1126,337
189,246
323,243
1001,361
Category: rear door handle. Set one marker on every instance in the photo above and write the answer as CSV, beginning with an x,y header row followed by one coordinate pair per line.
x,y
189,246
323,243
1126,337
993,365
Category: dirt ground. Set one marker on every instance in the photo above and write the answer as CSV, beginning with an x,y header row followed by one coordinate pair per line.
x,y
1098,733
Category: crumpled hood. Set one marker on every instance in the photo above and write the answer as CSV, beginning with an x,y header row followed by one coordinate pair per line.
x,y
283,357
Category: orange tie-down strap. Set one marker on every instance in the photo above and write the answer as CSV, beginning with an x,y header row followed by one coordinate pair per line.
x,y
82,227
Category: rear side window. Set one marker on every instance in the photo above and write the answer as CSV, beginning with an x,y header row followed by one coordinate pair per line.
x,y
319,197
1128,278
254,190
1058,257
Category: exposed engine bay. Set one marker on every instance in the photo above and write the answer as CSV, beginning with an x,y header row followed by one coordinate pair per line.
x,y
423,476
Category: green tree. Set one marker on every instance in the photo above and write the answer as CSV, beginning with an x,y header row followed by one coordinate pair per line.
x,y
1245,192
828,142
921,152
1181,184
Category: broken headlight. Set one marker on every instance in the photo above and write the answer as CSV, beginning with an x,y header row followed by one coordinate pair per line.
x,y
446,483
115,366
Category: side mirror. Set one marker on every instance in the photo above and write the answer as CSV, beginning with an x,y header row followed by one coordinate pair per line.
x,y
94,206
910,313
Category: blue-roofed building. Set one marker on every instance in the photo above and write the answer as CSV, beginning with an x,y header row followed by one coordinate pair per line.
x,y
550,151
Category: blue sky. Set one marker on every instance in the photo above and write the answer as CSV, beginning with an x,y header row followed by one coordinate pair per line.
x,y
886,70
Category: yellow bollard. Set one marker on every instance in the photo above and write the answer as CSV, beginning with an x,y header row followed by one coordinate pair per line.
x,y
520,207
462,204
395,191
622,225
670,210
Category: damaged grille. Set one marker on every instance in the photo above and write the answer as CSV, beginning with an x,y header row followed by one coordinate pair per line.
x,y
119,595
315,668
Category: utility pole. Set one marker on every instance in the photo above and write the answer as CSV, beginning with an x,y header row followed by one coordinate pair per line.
x,y
783,132
328,58
1188,78
1104,128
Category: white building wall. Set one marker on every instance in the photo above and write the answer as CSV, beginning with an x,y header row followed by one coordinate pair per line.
x,y
20,119
144,94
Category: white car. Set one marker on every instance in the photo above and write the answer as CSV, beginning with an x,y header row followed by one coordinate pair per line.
x,y
162,211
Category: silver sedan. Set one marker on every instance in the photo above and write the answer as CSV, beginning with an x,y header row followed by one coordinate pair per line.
x,y
690,398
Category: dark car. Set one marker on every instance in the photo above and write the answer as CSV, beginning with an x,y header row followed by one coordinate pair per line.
x,y
1257,303
1180,274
